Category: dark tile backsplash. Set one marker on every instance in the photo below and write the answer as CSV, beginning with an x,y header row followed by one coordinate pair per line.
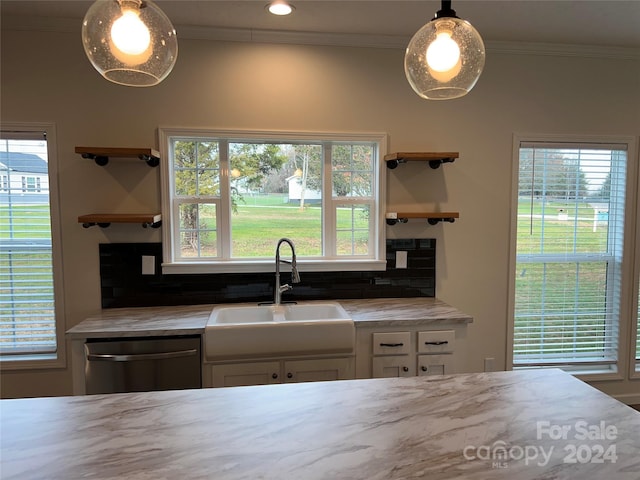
x,y
123,285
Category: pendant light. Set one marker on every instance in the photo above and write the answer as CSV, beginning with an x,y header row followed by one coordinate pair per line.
x,y
445,57
130,42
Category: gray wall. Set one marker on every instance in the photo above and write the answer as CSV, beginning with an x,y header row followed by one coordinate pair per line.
x,y
47,78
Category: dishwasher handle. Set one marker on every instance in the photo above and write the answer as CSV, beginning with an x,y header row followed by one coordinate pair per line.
x,y
110,357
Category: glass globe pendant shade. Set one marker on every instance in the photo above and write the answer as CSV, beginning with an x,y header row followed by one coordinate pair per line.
x,y
444,58
130,42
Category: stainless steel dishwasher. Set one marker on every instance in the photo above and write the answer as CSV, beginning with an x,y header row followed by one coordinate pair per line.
x,y
142,364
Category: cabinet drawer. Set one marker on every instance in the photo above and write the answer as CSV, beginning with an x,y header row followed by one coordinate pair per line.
x,y
436,341
391,343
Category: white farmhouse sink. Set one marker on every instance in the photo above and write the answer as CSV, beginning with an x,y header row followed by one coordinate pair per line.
x,y
276,330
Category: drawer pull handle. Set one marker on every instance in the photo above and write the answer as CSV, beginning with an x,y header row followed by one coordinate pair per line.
x,y
274,376
405,369
391,344
443,342
423,368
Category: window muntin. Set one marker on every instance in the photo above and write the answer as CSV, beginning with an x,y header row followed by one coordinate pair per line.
x,y
570,232
245,192
31,330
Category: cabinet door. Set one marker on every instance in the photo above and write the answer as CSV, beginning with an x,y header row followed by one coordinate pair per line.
x,y
239,374
318,370
393,366
435,364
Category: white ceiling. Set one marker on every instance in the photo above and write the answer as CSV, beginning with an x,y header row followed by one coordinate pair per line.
x,y
607,23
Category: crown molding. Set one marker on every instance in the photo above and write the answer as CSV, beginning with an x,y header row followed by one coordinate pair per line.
x,y
563,50
72,25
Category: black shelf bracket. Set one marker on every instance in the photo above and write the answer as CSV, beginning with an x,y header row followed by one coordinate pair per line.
x,y
430,221
393,221
435,221
107,224
436,163
93,224
99,159
392,164
151,160
102,160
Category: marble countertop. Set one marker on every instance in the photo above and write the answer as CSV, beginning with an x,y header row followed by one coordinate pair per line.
x,y
191,319
525,425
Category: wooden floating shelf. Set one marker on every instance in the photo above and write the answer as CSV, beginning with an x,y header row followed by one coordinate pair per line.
x,y
432,218
435,159
101,154
153,220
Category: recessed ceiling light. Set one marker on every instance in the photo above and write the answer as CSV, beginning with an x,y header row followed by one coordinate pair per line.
x,y
280,7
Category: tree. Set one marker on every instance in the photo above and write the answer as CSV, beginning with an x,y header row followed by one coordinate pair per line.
x,y
549,173
352,170
308,160
604,193
255,161
197,172
196,167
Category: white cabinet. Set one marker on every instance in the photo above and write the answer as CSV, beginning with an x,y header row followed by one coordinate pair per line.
x,y
435,364
392,343
318,370
281,371
414,350
392,355
241,374
436,341
393,366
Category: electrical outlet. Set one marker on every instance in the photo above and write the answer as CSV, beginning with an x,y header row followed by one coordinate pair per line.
x,y
401,259
489,364
148,265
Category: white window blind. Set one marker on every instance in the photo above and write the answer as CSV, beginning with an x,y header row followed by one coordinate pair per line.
x,y
27,313
570,227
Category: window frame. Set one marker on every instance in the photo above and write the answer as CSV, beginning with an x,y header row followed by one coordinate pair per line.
x,y
29,361
171,265
634,314
586,372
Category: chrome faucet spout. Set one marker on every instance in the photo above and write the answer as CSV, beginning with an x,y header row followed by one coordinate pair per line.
x,y
295,276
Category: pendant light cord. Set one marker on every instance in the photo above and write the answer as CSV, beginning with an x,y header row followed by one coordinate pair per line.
x,y
445,11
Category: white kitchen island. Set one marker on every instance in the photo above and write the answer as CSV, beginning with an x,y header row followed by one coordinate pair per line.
x,y
524,425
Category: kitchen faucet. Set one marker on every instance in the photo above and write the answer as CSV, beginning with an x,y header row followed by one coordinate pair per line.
x,y
295,277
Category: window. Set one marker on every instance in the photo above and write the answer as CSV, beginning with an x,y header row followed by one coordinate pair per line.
x,y
31,184
30,329
229,197
569,249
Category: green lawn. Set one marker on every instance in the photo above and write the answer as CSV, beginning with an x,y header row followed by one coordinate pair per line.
x,y
26,221
562,303
28,301
260,221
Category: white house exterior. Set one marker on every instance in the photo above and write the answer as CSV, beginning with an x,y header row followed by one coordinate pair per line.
x,y
295,191
23,178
